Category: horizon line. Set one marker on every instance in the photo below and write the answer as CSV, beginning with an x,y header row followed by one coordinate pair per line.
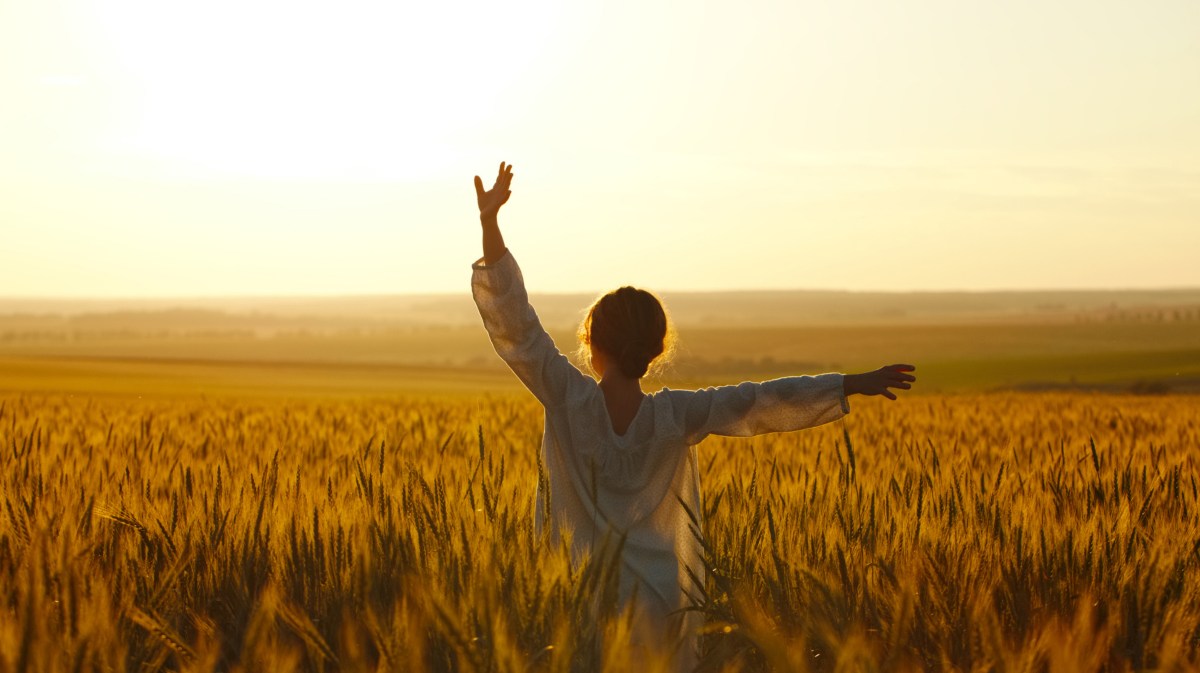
x,y
443,293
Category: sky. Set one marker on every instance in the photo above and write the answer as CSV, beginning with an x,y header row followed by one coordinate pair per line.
x,y
246,147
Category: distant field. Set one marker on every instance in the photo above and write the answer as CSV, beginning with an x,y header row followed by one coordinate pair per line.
x,y
190,378
1134,341
741,308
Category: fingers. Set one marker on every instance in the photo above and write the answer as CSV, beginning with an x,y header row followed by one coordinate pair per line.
x,y
499,193
892,376
503,177
896,372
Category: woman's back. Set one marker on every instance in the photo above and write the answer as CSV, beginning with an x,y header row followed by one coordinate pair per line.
x,y
622,408
626,468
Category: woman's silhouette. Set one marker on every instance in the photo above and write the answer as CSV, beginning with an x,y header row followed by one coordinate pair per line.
x,y
621,462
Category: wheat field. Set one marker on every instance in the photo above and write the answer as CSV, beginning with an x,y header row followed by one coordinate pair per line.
x,y
989,532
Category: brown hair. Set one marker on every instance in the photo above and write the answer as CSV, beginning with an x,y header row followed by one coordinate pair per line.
x,y
631,327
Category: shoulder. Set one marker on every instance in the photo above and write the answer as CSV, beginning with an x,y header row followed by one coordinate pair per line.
x,y
686,397
671,396
583,391
668,407
675,401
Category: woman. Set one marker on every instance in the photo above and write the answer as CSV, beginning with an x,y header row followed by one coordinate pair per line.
x,y
621,463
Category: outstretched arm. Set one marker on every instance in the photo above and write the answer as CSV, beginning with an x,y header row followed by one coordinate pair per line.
x,y
879,381
512,324
748,409
489,205
781,405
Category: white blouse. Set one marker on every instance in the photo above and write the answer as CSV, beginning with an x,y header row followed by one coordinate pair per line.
x,y
644,483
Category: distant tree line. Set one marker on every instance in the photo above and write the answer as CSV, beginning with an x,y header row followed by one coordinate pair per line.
x,y
1143,315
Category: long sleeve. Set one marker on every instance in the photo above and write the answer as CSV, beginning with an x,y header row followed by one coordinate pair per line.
x,y
778,405
518,335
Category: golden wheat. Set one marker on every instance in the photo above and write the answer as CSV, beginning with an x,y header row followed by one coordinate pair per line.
x,y
986,532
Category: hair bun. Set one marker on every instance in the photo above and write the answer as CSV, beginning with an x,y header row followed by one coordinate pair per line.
x,y
630,326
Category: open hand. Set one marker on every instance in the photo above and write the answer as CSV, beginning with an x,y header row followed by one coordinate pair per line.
x,y
879,381
491,200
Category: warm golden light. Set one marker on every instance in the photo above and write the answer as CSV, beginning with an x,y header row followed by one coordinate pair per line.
x,y
280,90
296,148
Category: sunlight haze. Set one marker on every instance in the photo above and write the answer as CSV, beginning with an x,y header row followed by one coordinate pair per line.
x,y
271,148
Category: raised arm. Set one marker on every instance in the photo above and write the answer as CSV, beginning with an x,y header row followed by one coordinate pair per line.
x,y
489,206
513,326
